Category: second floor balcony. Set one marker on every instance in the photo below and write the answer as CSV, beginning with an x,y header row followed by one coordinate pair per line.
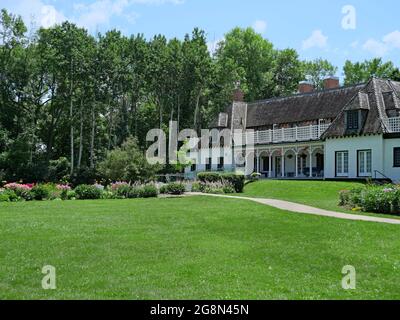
x,y
295,134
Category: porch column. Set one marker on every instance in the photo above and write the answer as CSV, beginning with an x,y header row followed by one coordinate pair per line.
x,y
258,163
270,165
311,156
283,164
297,164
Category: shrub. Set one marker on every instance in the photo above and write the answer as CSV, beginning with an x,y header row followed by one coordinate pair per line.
x,y
127,163
176,188
63,189
213,187
372,198
148,191
209,177
88,192
23,191
71,195
236,180
40,192
4,197
197,187
121,190
344,197
164,189
9,196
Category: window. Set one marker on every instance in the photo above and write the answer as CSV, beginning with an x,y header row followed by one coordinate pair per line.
x,y
396,157
365,163
352,120
208,164
221,163
342,164
193,167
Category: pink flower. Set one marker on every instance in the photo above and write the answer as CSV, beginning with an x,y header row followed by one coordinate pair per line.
x,y
63,187
17,186
117,185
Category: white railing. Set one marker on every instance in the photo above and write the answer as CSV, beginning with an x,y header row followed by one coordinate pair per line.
x,y
393,124
312,132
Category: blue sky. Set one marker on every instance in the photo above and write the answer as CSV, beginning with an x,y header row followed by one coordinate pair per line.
x,y
313,27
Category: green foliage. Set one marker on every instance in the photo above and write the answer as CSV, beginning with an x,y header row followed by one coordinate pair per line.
x,y
127,163
175,188
236,180
9,196
58,170
40,192
317,70
371,198
361,72
88,192
209,176
148,191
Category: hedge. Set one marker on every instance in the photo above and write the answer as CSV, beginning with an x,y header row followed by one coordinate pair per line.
x,y
236,180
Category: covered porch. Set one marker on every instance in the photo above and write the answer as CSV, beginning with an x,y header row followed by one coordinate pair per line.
x,y
296,162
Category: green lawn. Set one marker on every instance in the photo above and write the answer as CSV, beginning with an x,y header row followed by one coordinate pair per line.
x,y
320,194
191,248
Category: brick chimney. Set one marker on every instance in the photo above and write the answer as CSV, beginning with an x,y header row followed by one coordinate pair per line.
x,y
331,83
238,95
305,87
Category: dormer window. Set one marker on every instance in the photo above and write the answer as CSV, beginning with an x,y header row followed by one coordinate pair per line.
x,y
353,120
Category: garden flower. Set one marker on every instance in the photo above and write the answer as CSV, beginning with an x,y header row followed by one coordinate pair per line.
x,y
63,187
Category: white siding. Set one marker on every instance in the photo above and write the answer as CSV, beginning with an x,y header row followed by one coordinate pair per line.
x,y
353,145
389,170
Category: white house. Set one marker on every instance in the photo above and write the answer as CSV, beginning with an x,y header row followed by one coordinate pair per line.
x,y
337,133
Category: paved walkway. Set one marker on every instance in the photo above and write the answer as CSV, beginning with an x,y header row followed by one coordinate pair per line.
x,y
299,208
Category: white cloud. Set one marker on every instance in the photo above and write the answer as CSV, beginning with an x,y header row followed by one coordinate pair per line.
x,y
380,48
100,12
354,44
317,40
375,47
37,12
260,26
392,39
90,14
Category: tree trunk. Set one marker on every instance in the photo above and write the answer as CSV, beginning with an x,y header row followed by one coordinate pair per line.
x,y
80,138
92,139
196,111
71,115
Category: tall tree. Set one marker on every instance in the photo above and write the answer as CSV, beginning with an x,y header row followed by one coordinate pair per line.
x,y
360,72
317,70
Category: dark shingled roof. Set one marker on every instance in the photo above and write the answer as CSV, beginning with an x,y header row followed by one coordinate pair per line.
x,y
372,98
301,107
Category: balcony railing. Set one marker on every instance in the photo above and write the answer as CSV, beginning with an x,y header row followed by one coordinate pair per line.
x,y
308,133
393,124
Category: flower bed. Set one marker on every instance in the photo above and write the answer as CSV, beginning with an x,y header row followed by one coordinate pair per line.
x,y
14,192
372,198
